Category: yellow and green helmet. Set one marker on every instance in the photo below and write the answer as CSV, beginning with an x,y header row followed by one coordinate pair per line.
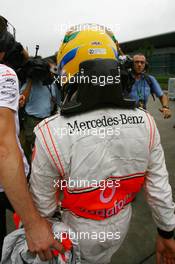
x,y
85,42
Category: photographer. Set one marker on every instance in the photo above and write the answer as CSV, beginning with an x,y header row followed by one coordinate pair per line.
x,y
42,100
145,85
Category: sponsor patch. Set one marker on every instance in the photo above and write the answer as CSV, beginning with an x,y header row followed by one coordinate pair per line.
x,y
96,51
11,94
122,119
96,43
8,73
11,80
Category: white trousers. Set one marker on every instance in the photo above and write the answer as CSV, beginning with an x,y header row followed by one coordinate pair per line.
x,y
99,240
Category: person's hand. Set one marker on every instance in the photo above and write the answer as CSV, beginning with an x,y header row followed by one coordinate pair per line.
x,y
22,100
165,251
40,239
165,112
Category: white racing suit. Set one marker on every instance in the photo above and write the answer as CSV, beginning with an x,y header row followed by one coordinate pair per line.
x,y
106,156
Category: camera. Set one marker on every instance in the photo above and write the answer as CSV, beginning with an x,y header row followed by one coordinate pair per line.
x,y
14,54
127,73
36,69
17,58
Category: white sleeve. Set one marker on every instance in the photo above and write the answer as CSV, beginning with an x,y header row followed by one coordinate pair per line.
x,y
9,89
43,181
157,188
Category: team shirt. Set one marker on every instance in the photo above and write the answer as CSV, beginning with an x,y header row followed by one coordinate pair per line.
x,y
9,98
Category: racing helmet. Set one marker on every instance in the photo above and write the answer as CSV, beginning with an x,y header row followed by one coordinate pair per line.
x,y
87,55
